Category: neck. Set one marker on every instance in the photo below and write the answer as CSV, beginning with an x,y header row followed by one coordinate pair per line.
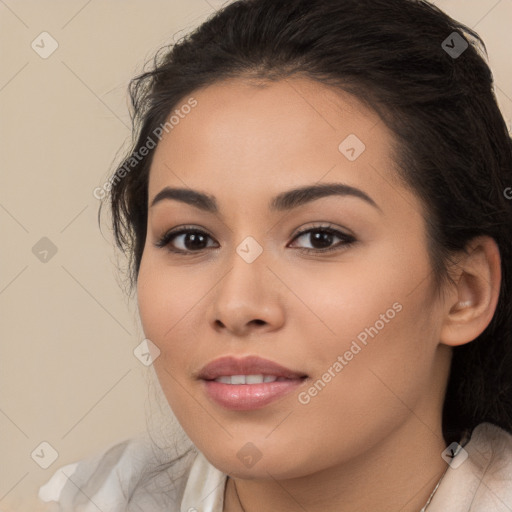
x,y
399,474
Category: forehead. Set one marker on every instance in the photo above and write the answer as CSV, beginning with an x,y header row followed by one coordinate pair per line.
x,y
270,135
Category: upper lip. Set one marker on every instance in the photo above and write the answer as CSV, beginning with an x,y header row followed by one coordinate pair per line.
x,y
249,365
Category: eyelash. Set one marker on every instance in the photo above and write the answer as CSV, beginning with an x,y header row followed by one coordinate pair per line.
x,y
347,240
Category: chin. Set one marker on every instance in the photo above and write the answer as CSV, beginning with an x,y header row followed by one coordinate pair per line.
x,y
249,462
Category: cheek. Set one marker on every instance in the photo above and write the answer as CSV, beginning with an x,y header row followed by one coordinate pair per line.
x,y
379,320
362,291
153,294
168,298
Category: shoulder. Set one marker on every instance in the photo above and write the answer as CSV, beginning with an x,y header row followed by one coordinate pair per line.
x,y
129,475
480,476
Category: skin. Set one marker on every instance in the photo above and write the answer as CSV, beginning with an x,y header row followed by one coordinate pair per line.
x,y
372,438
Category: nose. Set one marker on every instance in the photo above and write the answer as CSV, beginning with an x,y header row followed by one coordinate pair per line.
x,y
247,299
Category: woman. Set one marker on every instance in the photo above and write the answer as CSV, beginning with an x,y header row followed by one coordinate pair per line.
x,y
316,216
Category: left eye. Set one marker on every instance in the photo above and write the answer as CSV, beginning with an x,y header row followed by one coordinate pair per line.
x,y
322,238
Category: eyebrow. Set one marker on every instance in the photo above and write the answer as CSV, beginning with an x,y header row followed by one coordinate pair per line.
x,y
284,201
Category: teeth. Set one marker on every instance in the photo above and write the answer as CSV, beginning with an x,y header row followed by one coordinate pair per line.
x,y
247,379
223,380
237,379
253,379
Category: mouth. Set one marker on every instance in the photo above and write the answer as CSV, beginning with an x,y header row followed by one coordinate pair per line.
x,y
248,379
248,383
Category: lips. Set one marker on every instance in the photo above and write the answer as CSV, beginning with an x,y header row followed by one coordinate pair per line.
x,y
250,365
248,383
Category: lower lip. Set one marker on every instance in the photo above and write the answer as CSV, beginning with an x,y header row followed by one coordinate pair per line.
x,y
244,397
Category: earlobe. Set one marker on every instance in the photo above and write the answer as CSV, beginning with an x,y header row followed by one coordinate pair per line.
x,y
474,299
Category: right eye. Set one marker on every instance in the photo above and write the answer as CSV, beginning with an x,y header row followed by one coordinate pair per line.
x,y
189,239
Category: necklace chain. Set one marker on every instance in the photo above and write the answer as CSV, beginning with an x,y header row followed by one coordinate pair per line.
x,y
433,492
422,510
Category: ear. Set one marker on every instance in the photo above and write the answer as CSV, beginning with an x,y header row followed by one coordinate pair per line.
x,y
471,304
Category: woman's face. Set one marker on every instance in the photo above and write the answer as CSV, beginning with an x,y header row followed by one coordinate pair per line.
x,y
332,285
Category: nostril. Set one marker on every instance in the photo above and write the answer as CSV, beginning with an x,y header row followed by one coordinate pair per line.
x,y
259,322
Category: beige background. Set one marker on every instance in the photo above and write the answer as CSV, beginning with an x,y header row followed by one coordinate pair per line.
x,y
68,373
